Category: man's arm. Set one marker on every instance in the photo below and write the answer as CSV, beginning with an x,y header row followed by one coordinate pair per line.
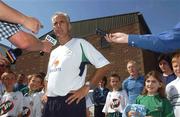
x,y
83,91
11,15
99,74
29,42
167,41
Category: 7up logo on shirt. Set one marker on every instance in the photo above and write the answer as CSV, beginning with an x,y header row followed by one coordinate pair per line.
x,y
6,107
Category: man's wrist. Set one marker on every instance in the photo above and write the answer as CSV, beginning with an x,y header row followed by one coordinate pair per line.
x,y
23,20
41,44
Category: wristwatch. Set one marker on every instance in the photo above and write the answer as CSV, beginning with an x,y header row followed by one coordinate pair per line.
x,y
89,84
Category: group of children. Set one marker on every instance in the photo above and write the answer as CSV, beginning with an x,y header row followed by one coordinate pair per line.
x,y
157,99
25,102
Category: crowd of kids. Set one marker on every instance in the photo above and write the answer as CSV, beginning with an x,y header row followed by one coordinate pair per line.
x,y
24,102
154,95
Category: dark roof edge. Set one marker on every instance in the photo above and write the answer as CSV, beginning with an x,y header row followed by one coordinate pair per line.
x,y
143,22
107,17
140,16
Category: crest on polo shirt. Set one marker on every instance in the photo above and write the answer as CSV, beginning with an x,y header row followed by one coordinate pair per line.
x,y
55,63
55,66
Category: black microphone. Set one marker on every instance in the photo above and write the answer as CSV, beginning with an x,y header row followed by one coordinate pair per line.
x,y
13,54
100,32
51,40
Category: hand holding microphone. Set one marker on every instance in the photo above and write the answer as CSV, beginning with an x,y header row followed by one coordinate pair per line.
x,y
46,41
3,60
51,40
101,32
13,54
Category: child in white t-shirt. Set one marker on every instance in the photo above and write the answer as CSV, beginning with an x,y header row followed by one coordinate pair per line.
x,y
173,88
14,98
32,96
116,100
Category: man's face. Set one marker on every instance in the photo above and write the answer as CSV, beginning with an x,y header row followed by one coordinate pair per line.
x,y
131,68
176,67
61,26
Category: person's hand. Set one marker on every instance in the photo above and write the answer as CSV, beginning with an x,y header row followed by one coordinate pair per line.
x,y
117,37
44,99
3,60
78,94
32,24
3,64
47,46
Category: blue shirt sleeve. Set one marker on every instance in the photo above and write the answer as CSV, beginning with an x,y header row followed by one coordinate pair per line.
x,y
124,85
164,42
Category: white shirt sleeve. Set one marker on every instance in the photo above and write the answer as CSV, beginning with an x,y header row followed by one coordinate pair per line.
x,y
37,110
106,106
125,99
93,55
21,102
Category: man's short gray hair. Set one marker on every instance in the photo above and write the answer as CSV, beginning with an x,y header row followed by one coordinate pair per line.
x,y
63,14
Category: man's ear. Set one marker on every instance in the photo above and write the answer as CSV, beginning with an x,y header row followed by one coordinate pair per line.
x,y
70,27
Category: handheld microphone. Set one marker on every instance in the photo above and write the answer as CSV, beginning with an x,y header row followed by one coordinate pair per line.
x,y
100,32
12,55
51,40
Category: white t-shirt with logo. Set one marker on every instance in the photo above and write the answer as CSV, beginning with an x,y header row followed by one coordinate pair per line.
x,y
33,103
17,99
63,69
116,101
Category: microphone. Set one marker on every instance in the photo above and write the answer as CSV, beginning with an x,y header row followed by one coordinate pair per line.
x,y
51,40
100,32
12,54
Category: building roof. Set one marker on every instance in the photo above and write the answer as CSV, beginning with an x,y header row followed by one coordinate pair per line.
x,y
84,28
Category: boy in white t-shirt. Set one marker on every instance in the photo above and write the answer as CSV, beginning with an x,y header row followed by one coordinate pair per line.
x,y
116,99
173,88
32,96
14,98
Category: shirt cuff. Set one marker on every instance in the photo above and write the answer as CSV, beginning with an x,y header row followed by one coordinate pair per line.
x,y
133,40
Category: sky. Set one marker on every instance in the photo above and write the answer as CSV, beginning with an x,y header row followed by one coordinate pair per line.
x,y
160,15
